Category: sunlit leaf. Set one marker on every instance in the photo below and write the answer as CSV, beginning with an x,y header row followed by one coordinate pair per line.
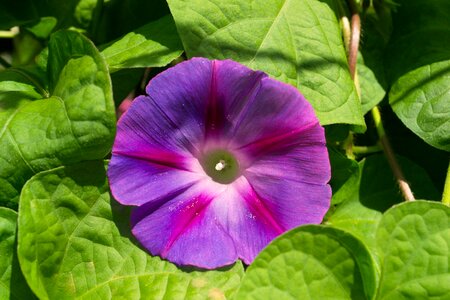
x,y
313,262
75,242
73,121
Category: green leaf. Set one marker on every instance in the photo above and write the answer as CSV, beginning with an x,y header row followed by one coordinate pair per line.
x,y
417,64
414,242
26,47
14,170
313,262
153,45
43,27
74,242
421,99
371,90
298,42
15,84
85,12
12,283
76,122
420,37
371,191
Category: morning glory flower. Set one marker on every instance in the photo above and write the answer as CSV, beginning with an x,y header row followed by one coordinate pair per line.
x,y
218,160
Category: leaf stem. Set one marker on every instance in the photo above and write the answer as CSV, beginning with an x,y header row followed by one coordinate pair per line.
x,y
385,144
348,146
363,150
347,32
9,34
354,44
36,83
396,169
354,37
446,194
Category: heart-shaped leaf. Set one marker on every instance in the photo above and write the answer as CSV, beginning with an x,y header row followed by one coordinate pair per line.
x,y
313,262
12,283
418,63
371,90
414,241
421,99
74,121
75,242
153,45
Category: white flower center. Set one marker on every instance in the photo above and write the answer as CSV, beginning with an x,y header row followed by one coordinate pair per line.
x,y
220,165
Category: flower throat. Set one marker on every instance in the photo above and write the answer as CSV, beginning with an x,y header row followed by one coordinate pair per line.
x,y
220,165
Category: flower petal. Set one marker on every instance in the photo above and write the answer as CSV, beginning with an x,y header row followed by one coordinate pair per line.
x,y
302,158
203,97
292,203
136,181
145,129
246,219
185,231
181,94
234,87
278,117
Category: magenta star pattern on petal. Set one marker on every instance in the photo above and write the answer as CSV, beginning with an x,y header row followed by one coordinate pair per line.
x,y
218,160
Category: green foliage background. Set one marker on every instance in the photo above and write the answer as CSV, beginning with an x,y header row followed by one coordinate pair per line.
x,y
70,65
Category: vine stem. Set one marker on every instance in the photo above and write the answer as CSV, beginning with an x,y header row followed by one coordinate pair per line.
x,y
362,150
396,169
446,194
385,144
38,86
354,44
9,34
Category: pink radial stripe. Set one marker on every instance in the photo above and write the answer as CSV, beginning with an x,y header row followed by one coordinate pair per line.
x,y
150,181
234,88
246,221
278,110
307,203
302,159
189,216
296,166
281,142
258,209
184,230
207,98
171,160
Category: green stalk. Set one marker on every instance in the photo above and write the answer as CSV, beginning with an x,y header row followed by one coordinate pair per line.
x,y
364,150
396,169
36,83
446,194
9,34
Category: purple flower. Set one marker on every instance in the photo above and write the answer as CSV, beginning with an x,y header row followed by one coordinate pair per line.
x,y
218,160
